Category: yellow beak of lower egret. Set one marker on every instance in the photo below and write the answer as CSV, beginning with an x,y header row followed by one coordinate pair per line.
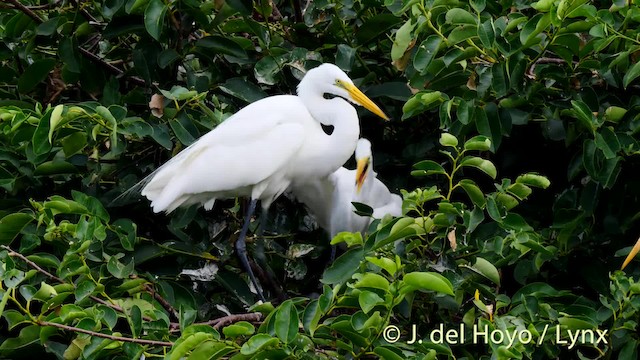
x,y
361,173
363,100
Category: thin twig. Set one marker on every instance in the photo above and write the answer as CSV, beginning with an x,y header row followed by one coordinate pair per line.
x,y
230,319
32,264
26,10
105,336
85,52
45,6
110,67
13,253
92,20
544,60
172,311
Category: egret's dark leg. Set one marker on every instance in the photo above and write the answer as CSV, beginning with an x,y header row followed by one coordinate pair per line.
x,y
241,247
267,273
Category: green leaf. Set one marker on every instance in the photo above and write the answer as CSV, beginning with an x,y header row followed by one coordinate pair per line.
x,y
375,26
387,264
242,89
459,16
345,57
343,268
222,45
257,343
427,50
473,191
428,281
426,168
27,336
67,50
584,114
631,74
479,163
167,57
311,316
368,300
371,280
34,74
533,179
241,328
11,225
486,269
607,141
41,144
84,289
486,33
55,119
479,142
447,139
154,16
210,349
286,322
402,40
386,353
55,167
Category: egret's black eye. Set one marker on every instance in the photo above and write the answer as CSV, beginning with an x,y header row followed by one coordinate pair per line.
x,y
328,129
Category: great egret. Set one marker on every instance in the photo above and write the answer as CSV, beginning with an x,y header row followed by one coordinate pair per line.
x,y
264,148
330,199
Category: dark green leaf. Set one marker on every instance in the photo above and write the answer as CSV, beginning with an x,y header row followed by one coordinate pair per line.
x,y
343,268
35,74
11,225
427,50
286,322
221,45
154,16
242,89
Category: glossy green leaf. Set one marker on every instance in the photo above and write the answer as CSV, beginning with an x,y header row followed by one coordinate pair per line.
x,y
479,142
402,40
286,322
487,269
368,300
533,179
486,33
426,52
387,264
584,114
426,168
479,163
343,267
221,45
243,90
428,281
154,15
473,191
257,343
371,280
459,16
34,74
447,139
11,225
631,74
55,167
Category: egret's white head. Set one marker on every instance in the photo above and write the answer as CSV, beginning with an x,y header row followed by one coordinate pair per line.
x,y
329,79
364,162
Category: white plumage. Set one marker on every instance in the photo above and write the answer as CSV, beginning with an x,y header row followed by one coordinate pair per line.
x,y
330,199
265,147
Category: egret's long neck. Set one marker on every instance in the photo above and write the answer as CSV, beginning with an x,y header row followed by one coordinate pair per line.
x,y
331,151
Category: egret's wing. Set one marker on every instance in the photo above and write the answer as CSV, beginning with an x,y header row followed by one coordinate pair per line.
x,y
255,143
393,207
317,196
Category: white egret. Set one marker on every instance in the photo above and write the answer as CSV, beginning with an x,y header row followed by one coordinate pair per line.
x,y
330,199
264,148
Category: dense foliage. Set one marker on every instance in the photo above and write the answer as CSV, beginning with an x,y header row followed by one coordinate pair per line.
x,y
514,141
